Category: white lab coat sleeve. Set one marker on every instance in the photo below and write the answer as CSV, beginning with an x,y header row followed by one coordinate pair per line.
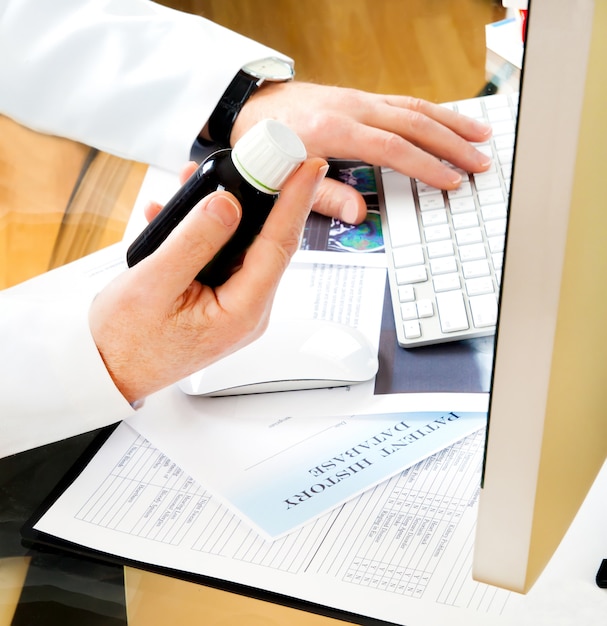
x,y
54,382
129,77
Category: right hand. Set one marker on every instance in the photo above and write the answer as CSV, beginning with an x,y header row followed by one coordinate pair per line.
x,y
154,324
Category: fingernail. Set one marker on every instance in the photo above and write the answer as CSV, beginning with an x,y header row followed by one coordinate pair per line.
x,y
485,161
322,172
349,212
222,207
485,129
456,179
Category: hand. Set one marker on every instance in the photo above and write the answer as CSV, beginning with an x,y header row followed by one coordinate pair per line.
x,y
155,324
400,132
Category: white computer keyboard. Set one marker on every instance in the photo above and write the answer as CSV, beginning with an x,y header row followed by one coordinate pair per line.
x,y
445,249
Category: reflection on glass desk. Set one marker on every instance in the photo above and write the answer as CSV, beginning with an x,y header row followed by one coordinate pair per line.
x,y
52,215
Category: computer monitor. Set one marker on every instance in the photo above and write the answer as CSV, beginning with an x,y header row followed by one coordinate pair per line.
x,y
547,433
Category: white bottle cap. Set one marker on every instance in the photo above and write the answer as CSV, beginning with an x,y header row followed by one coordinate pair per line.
x,y
267,154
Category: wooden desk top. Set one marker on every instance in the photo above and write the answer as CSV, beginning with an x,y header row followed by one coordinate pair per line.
x,y
59,200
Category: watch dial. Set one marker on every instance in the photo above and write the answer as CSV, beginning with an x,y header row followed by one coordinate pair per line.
x,y
273,69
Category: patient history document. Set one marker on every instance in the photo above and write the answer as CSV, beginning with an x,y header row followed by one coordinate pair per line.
x,y
400,551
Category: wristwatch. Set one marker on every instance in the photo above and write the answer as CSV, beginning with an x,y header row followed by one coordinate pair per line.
x,y
244,84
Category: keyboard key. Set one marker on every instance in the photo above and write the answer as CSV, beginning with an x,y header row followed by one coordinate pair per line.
x,y
412,329
499,115
446,282
437,249
431,201
471,108
432,218
437,233
465,176
496,244
495,228
474,269
507,127
505,156
408,311
472,252
468,235
409,275
503,142
425,308
462,205
424,188
486,148
479,286
465,220
487,181
484,310
452,311
498,261
406,293
408,255
494,211
465,189
443,265
490,196
402,222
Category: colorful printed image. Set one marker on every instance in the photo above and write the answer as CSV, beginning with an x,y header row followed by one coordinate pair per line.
x,y
361,177
325,234
366,237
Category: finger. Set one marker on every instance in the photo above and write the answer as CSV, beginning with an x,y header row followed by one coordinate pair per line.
x,y
438,130
441,136
341,201
151,210
467,127
389,149
269,254
191,245
187,170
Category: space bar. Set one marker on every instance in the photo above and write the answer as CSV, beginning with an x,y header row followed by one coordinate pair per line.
x,y
400,209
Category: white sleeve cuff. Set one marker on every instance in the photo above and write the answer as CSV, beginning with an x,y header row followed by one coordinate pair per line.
x,y
54,382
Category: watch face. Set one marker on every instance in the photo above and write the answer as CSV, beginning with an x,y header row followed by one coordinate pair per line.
x,y
272,69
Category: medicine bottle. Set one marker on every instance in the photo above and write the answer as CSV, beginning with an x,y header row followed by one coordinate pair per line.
x,y
255,171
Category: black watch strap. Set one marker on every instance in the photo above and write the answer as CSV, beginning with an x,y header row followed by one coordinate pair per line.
x,y
223,117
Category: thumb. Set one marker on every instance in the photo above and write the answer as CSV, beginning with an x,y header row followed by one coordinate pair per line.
x,y
341,201
192,244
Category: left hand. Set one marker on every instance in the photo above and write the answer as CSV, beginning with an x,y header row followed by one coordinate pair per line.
x,y
404,133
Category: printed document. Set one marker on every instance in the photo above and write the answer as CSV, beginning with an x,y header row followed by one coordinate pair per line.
x,y
400,551
280,469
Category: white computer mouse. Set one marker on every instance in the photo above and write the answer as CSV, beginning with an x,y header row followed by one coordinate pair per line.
x,y
290,355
